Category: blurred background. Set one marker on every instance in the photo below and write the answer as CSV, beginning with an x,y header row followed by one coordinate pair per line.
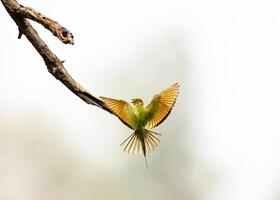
x,y
221,141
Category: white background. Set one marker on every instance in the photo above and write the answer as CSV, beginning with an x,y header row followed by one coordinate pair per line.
x,y
123,49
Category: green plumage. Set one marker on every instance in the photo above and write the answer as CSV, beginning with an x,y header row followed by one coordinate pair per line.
x,y
140,118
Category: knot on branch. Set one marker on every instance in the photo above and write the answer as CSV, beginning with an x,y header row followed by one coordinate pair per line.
x,y
64,35
20,14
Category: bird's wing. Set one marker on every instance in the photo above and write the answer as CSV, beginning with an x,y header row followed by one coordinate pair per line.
x,y
161,105
122,110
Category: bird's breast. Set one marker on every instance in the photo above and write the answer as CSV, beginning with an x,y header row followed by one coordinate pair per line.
x,y
141,117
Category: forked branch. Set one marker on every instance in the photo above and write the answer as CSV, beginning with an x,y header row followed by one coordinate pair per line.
x,y
20,14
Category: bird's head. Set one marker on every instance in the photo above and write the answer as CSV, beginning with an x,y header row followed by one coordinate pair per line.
x,y
137,101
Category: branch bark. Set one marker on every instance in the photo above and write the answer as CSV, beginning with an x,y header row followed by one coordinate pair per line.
x,y
20,14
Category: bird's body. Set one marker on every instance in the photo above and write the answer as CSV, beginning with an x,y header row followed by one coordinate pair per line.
x,y
140,114
139,118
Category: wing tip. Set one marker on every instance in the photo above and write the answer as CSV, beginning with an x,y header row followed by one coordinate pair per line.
x,y
173,90
104,98
176,85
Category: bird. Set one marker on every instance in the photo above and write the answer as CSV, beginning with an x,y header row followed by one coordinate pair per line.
x,y
141,119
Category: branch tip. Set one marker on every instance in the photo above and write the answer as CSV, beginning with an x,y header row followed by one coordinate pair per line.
x,y
20,14
19,34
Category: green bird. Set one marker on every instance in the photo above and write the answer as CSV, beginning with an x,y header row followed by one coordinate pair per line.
x,y
140,118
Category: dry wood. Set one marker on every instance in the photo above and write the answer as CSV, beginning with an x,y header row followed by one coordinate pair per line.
x,y
20,14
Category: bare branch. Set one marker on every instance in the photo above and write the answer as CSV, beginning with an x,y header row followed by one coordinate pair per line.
x,y
62,33
54,64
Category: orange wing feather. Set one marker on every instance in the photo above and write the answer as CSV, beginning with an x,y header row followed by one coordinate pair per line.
x,y
161,105
122,110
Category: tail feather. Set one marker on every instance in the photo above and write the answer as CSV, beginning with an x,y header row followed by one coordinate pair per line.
x,y
133,143
146,162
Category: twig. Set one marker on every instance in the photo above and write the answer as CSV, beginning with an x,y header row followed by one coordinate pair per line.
x,y
55,66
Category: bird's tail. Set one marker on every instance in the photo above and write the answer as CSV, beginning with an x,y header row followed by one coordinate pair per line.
x,y
141,144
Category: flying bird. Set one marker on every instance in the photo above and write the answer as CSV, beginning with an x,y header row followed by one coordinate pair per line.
x,y
141,119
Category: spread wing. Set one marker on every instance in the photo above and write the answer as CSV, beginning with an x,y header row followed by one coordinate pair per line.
x,y
161,105
122,110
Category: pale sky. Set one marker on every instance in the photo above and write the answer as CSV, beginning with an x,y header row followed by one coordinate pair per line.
x,y
231,48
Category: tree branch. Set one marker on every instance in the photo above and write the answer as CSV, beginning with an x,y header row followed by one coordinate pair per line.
x,y
55,66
